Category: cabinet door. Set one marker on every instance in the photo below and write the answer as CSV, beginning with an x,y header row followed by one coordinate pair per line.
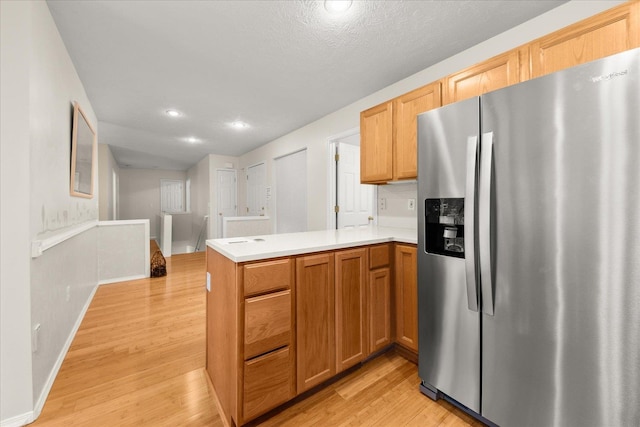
x,y
379,309
406,296
351,324
607,33
315,320
498,72
406,109
376,144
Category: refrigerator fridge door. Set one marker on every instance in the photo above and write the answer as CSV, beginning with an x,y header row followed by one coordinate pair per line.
x,y
449,323
562,347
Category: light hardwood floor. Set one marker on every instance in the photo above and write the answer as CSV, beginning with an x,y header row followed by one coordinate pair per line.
x,y
138,360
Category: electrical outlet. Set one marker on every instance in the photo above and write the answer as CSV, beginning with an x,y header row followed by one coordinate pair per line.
x,y
382,204
411,205
68,293
208,282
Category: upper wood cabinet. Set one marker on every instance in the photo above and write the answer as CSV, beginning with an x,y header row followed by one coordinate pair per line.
x,y
405,124
388,135
607,33
376,143
498,72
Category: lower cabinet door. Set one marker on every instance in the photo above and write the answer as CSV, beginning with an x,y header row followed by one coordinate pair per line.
x,y
379,309
406,296
268,382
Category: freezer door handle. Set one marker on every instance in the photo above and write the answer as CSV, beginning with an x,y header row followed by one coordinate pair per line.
x,y
484,223
469,222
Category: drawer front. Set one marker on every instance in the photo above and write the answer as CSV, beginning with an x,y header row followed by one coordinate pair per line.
x,y
267,276
267,323
268,382
378,256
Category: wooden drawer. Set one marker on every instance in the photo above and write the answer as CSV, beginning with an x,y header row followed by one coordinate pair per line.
x,y
378,256
263,277
267,323
268,382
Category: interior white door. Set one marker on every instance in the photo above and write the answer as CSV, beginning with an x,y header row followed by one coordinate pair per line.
x,y
227,197
355,200
256,190
171,195
291,192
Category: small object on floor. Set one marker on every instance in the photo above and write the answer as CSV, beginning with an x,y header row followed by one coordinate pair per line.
x,y
158,263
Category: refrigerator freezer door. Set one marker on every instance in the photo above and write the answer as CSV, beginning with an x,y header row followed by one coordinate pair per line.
x,y
563,347
449,340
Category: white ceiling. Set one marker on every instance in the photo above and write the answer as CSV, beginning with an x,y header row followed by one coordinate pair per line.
x,y
277,65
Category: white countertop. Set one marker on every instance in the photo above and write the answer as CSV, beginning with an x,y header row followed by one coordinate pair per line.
x,y
241,249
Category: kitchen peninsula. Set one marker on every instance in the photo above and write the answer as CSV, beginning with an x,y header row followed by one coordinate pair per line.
x,y
287,312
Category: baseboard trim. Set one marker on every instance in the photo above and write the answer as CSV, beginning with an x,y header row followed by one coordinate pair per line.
x,y
122,279
56,368
18,420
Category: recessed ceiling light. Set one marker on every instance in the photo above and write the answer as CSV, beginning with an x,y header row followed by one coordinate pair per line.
x,y
173,113
238,125
337,6
192,139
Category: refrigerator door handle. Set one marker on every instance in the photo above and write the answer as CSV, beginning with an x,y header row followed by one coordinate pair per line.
x,y
469,222
484,223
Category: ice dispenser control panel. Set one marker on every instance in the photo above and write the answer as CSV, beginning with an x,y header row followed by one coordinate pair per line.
x,y
444,230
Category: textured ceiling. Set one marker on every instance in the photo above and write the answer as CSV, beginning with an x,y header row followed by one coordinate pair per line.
x,y
277,65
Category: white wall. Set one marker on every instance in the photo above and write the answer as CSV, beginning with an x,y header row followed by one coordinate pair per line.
x,y
106,166
140,195
200,189
39,86
314,136
16,390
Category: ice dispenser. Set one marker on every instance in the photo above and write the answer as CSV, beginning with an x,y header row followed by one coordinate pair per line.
x,y
444,231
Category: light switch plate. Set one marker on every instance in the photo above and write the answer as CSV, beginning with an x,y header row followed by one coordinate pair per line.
x,y
411,205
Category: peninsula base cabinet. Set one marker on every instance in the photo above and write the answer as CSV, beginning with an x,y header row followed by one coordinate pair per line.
x,y
279,327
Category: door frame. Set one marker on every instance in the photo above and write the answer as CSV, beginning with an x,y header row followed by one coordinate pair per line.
x,y
332,179
246,183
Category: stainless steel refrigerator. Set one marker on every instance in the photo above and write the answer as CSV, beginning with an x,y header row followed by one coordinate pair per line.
x,y
529,249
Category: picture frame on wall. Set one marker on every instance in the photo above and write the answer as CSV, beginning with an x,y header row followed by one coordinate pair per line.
x,y
83,154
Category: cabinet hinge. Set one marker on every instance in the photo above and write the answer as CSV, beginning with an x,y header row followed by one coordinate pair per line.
x,y
337,157
336,209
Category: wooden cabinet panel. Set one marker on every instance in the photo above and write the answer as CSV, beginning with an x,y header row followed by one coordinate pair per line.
x,y
376,147
405,122
267,276
351,279
379,309
268,382
495,73
315,320
406,296
379,256
267,323
607,33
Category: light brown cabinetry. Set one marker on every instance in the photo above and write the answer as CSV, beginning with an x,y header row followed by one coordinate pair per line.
x,y
379,297
495,73
250,340
376,143
315,320
351,300
607,33
406,296
388,131
405,124
388,135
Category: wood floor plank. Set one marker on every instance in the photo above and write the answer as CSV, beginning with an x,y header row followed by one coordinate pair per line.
x,y
138,360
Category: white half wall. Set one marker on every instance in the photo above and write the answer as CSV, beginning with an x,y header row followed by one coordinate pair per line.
x,y
123,250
